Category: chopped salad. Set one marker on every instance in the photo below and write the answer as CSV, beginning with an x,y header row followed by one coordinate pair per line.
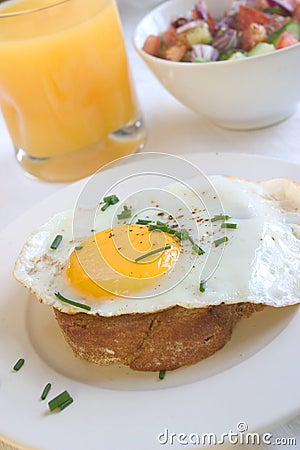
x,y
250,27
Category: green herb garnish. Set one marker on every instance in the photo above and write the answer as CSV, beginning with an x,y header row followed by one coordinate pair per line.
x,y
125,214
220,217
220,241
197,249
160,226
61,401
157,250
202,286
183,235
18,364
160,223
195,246
143,222
161,374
229,225
71,302
56,242
66,403
108,201
78,247
46,391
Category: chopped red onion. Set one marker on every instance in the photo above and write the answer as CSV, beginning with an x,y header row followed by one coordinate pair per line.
x,y
201,10
285,5
179,22
225,40
226,22
204,51
237,3
188,26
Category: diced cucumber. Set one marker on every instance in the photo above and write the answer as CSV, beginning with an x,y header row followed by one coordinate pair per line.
x,y
237,55
232,54
199,35
292,26
201,60
261,48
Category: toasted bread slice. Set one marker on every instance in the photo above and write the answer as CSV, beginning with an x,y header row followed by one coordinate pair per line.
x,y
166,339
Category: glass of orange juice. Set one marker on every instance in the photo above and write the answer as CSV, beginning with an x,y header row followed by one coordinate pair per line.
x,y
66,91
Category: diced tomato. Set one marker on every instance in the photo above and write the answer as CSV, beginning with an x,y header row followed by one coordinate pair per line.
x,y
211,23
195,15
170,36
252,35
246,16
152,45
286,40
261,4
175,52
296,13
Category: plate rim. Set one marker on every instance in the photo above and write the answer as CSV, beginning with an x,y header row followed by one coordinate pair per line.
x,y
65,191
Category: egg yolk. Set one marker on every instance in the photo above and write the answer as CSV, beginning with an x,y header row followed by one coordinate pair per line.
x,y
107,264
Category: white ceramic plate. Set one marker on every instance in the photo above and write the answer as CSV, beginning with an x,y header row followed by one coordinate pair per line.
x,y
254,379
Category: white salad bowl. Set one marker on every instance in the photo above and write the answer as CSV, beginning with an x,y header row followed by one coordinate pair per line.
x,y
247,93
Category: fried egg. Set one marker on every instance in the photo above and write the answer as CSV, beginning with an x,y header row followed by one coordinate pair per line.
x,y
182,245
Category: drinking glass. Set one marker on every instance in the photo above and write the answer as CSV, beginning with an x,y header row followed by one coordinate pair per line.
x,y
66,91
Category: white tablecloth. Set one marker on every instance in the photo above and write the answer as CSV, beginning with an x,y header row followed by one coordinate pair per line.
x,y
171,128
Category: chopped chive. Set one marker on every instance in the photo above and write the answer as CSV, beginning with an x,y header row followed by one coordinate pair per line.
x,y
229,225
182,235
220,241
157,250
110,200
78,247
46,391
198,249
202,286
71,302
59,400
56,242
125,214
161,227
66,403
143,222
161,374
220,217
195,246
18,364
105,206
154,228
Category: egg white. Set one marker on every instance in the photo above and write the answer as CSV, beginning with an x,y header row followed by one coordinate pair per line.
x,y
260,263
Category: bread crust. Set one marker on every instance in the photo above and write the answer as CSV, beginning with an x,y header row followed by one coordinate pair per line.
x,y
164,340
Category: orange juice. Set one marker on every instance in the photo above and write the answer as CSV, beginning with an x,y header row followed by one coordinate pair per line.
x,y
65,84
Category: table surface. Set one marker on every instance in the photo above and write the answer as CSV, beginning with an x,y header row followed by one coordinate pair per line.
x,y
171,127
